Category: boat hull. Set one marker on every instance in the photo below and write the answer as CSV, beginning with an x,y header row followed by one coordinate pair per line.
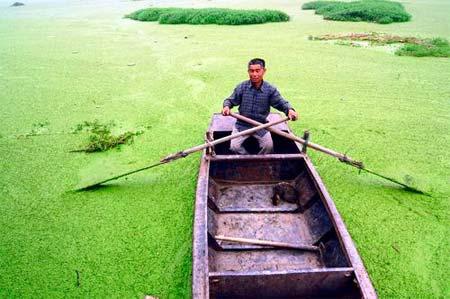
x,y
234,199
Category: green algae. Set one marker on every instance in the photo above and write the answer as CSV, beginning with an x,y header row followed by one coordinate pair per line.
x,y
133,237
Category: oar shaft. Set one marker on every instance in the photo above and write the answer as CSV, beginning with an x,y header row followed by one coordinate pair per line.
x,y
190,151
268,243
340,156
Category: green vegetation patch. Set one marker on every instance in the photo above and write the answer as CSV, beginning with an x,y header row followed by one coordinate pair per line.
x,y
412,46
437,47
101,139
202,16
377,11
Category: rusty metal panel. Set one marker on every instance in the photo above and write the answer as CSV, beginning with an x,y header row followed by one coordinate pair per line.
x,y
314,283
265,170
246,198
263,260
318,220
332,254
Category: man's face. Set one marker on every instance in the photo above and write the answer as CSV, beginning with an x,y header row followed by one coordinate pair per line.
x,y
256,73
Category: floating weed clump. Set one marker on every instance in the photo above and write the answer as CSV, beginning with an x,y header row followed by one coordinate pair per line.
x,y
377,11
101,139
40,128
94,127
202,16
104,142
410,46
373,37
436,47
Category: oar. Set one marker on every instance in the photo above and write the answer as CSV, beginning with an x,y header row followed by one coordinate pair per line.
x,y
186,152
268,243
341,157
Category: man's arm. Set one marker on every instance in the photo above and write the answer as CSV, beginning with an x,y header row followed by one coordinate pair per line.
x,y
234,99
279,103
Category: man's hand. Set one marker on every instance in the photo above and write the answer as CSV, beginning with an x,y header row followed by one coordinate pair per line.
x,y
292,115
226,111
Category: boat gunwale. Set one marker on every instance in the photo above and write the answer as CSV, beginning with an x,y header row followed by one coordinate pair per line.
x,y
282,272
254,157
200,259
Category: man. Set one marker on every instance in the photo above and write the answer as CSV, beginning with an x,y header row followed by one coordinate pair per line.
x,y
254,98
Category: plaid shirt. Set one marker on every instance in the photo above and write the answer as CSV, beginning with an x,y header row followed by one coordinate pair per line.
x,y
255,103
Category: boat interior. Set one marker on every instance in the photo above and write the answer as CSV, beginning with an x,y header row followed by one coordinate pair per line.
x,y
240,205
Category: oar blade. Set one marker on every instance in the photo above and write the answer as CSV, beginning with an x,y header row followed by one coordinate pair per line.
x,y
88,187
406,187
92,186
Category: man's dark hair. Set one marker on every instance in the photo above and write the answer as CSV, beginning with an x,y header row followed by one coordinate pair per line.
x,y
259,61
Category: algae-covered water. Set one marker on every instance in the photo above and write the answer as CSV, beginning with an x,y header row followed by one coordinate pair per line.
x,y
66,62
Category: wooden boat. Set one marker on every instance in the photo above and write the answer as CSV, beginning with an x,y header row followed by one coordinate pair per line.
x,y
291,250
